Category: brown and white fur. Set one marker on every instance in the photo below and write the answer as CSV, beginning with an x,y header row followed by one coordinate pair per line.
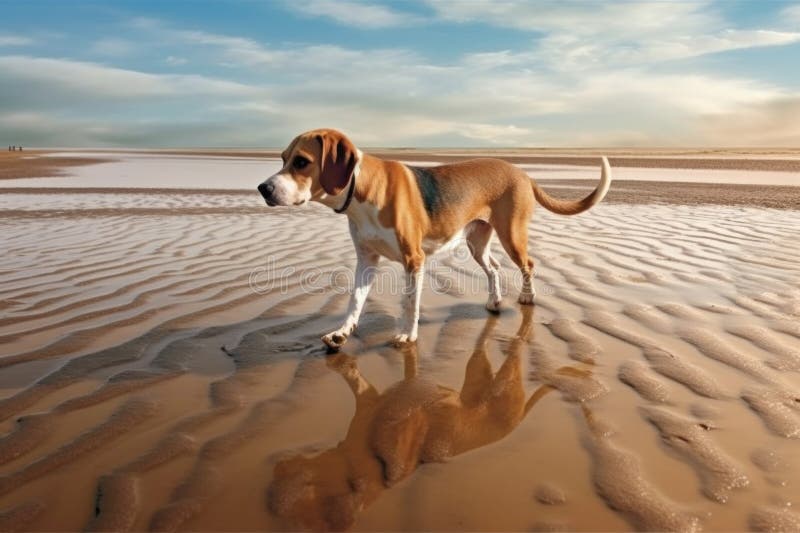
x,y
404,213
395,430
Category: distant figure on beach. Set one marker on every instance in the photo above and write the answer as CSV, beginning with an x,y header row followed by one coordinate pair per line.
x,y
20,148
13,147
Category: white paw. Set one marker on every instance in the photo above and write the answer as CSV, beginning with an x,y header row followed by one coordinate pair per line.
x,y
336,339
493,304
403,338
526,298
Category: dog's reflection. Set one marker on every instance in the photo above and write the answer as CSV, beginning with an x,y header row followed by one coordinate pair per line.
x,y
412,422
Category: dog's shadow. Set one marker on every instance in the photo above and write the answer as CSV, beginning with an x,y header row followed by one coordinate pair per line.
x,y
393,432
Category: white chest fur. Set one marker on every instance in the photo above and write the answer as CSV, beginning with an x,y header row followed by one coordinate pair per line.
x,y
368,232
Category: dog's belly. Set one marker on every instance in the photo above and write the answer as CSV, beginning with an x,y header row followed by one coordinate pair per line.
x,y
386,248
433,246
384,242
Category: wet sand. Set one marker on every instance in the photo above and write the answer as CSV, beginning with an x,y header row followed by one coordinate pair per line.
x,y
161,369
38,163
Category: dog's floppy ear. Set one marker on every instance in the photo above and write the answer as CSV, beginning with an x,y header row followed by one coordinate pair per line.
x,y
338,161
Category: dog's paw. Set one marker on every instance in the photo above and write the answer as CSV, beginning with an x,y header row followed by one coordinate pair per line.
x,y
493,305
402,339
526,298
335,339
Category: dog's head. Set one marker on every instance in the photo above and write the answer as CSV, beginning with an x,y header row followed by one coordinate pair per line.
x,y
318,493
316,164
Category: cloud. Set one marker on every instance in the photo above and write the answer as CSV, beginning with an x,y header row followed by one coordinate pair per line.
x,y
57,130
359,14
585,78
574,37
791,13
399,99
15,40
230,49
114,47
60,102
236,51
63,76
685,93
769,123
175,60
623,19
673,47
41,129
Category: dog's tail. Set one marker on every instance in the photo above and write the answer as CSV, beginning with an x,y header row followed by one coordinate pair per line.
x,y
573,207
536,396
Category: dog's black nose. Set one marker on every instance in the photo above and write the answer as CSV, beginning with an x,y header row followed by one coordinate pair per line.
x,y
266,190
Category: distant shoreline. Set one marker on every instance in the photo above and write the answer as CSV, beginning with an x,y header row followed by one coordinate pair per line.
x,y
770,160
623,191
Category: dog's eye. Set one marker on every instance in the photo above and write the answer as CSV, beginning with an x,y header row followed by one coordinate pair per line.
x,y
300,162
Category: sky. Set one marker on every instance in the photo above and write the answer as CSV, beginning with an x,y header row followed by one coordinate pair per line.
x,y
422,73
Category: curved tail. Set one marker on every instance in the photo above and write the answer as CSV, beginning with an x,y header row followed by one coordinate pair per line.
x,y
573,207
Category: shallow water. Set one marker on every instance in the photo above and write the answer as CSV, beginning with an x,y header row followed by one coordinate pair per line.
x,y
131,170
653,386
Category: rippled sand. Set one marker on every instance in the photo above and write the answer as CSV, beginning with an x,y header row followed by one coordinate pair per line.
x,y
161,369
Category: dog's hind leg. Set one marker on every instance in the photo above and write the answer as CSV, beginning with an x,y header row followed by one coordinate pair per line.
x,y
414,263
478,375
513,234
478,234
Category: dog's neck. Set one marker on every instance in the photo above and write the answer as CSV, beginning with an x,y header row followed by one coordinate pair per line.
x,y
364,186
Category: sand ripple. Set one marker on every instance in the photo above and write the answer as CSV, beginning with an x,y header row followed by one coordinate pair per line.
x,y
146,384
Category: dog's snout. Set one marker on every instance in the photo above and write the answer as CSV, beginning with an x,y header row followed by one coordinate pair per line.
x,y
282,189
266,189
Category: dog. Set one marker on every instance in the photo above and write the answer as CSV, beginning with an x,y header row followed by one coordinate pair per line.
x,y
404,213
411,422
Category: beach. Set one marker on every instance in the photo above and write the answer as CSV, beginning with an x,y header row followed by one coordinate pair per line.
x,y
162,368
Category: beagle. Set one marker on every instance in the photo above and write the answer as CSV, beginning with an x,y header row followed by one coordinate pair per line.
x,y
403,212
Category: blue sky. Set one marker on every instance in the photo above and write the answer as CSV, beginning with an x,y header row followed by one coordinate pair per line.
x,y
418,73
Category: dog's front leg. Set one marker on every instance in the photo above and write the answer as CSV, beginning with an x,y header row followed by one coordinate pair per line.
x,y
346,366
412,293
366,263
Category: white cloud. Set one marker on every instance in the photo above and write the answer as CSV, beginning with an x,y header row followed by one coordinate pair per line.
x,y
92,79
234,50
238,50
357,14
589,78
399,99
175,60
791,13
14,40
686,46
296,61
55,129
622,19
768,123
580,36
684,93
114,47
